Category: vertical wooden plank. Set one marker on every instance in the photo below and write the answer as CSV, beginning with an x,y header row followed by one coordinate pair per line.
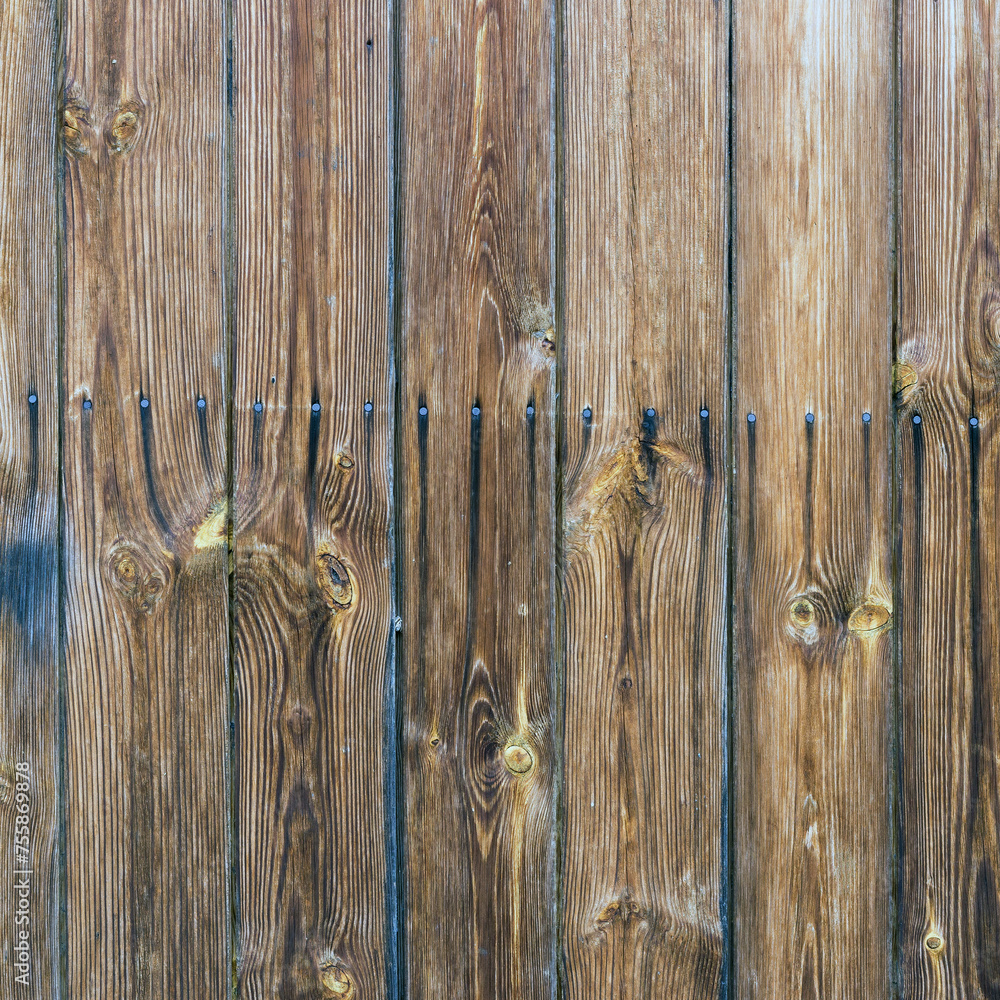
x,y
948,344
145,491
813,172
645,401
29,529
476,444
312,443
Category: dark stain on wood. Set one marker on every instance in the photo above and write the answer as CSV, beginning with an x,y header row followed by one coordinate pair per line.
x,y
146,424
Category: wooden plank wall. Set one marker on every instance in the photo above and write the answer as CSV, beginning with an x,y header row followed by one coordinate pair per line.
x,y
497,499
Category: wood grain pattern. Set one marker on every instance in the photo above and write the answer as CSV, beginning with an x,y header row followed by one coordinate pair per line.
x,y
948,346
477,499
29,528
312,452
812,588
143,129
645,403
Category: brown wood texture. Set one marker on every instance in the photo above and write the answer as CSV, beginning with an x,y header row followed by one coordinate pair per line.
x,y
312,439
642,359
948,344
812,582
645,398
29,484
477,499
143,130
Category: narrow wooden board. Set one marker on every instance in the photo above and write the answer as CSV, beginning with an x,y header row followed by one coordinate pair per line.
x,y
147,865
29,528
645,414
312,414
477,499
812,586
949,562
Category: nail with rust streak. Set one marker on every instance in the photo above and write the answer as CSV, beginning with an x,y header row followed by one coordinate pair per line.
x,y
518,758
337,982
868,618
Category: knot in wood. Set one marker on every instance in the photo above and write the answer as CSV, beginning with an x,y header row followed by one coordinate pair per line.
x,y
345,461
298,721
76,128
337,982
136,577
214,529
904,381
335,582
547,340
808,617
123,130
6,784
933,943
618,910
802,613
868,617
518,758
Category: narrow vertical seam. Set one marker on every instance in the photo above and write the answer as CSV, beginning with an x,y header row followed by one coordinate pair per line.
x,y
60,290
895,514
229,289
558,97
727,908
395,783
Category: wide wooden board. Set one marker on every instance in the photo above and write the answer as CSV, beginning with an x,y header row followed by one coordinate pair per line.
x,y
476,434
645,404
145,394
312,440
812,582
949,459
29,527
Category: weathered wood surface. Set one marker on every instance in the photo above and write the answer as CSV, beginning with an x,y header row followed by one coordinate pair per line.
x,y
949,564
143,131
29,529
477,500
312,417
812,583
428,304
645,414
